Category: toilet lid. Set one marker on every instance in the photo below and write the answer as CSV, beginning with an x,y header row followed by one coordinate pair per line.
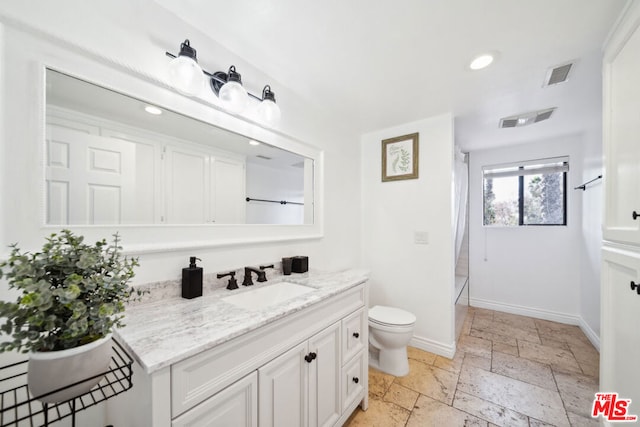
x,y
391,316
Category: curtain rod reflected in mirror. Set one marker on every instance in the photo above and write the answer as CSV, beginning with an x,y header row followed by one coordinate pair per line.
x,y
114,159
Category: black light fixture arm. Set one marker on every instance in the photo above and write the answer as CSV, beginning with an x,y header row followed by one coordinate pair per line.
x,y
221,78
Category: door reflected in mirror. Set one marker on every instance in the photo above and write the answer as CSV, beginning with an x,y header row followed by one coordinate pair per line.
x,y
114,159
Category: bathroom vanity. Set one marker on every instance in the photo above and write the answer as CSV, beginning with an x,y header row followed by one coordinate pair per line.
x,y
295,356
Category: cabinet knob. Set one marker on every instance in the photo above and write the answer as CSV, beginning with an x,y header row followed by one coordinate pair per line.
x,y
635,215
310,357
356,335
635,287
356,380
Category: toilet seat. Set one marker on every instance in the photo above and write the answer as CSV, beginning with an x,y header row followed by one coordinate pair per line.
x,y
390,316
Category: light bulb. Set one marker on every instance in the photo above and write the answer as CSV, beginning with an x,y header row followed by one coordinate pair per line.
x,y
186,75
184,72
269,112
233,97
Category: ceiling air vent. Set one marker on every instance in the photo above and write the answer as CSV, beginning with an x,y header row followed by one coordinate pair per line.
x,y
508,123
526,118
544,115
558,74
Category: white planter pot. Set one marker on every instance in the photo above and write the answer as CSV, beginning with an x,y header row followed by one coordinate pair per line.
x,y
52,370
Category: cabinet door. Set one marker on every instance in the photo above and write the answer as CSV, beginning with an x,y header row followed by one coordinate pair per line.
x,y
620,338
235,406
621,130
324,377
282,390
229,204
187,189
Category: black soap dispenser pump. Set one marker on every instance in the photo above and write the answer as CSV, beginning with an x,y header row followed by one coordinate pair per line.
x,y
192,279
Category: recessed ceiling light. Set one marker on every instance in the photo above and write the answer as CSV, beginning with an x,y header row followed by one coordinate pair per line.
x,y
252,142
152,110
481,62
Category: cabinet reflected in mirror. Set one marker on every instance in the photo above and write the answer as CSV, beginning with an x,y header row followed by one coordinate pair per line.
x,y
111,160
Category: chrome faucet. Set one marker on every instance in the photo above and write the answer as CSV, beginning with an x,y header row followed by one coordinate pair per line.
x,y
262,275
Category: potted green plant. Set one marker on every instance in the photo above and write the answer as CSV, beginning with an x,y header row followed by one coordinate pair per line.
x,y
72,295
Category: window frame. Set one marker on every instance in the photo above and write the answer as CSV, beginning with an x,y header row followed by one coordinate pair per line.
x,y
521,166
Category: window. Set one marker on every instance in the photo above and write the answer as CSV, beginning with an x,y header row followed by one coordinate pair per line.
x,y
526,193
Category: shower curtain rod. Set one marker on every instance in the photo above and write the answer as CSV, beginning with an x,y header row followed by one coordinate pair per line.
x,y
282,202
583,187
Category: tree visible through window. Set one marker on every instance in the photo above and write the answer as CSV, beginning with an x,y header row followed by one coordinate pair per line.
x,y
529,193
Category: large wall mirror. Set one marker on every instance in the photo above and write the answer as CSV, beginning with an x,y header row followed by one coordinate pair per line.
x,y
112,159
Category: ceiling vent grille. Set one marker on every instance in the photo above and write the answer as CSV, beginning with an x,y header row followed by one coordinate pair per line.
x,y
559,74
508,123
544,115
526,118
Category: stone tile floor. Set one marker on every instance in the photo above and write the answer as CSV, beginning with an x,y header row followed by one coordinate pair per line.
x,y
508,370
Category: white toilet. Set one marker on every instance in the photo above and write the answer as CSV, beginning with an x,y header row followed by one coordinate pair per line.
x,y
390,330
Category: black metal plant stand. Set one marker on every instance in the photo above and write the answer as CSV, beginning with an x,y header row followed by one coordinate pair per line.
x,y
18,408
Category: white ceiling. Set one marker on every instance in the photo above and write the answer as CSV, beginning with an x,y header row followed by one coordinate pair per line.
x,y
377,63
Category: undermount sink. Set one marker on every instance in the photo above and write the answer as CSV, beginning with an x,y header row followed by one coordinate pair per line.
x,y
268,295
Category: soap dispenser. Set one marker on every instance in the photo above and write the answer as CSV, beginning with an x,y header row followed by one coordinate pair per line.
x,y
192,279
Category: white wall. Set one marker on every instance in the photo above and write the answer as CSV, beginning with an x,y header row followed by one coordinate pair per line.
x,y
417,278
591,245
268,183
532,271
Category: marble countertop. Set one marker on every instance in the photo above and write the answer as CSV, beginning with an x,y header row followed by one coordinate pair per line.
x,y
160,333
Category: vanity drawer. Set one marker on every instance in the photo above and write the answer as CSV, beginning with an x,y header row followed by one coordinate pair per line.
x,y
354,334
353,380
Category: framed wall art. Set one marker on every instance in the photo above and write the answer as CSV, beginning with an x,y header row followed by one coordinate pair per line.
x,y
400,158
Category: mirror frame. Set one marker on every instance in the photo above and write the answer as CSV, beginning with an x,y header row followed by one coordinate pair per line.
x,y
31,55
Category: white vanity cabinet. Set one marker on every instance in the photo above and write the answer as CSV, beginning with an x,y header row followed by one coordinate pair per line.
x,y
305,369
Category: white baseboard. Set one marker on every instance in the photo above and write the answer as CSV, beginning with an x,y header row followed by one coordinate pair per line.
x,y
593,337
538,313
431,346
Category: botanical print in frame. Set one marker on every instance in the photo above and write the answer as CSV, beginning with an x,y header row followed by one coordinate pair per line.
x,y
400,158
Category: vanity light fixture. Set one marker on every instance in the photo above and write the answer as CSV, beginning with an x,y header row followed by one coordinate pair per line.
x,y
153,110
186,78
184,71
